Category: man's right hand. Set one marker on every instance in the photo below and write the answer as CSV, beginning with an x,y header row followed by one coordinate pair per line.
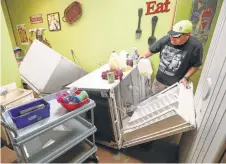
x,y
147,54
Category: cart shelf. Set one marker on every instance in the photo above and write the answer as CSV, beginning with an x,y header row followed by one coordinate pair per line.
x,y
58,115
78,131
78,153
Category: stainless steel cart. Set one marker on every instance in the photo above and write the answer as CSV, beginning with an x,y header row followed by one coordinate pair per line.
x,y
63,134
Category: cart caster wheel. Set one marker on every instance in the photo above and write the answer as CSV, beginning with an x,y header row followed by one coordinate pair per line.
x,y
95,158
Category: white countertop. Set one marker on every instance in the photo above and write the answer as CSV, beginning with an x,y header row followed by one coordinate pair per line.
x,y
94,80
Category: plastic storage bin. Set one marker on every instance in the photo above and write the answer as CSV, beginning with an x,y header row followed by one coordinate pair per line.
x,y
15,96
31,117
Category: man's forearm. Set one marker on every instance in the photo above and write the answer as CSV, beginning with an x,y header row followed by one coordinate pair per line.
x,y
191,71
147,54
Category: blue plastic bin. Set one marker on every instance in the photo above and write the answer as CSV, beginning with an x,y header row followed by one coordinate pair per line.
x,y
32,117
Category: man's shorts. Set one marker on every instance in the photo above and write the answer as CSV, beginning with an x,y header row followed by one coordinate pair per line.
x,y
158,87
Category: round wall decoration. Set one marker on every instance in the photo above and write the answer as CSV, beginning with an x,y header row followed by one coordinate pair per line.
x,y
72,13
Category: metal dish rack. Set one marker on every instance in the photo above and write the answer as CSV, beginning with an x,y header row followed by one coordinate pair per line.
x,y
63,134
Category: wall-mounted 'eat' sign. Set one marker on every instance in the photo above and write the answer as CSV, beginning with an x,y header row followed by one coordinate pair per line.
x,y
153,7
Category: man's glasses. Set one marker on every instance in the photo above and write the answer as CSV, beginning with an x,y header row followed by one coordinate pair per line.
x,y
177,36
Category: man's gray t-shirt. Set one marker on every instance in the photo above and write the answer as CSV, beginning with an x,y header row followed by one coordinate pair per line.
x,y
176,60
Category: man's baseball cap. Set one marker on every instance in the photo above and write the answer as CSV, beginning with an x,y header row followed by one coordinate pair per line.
x,y
180,28
16,48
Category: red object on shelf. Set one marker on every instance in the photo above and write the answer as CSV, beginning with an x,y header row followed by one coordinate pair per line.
x,y
71,107
117,72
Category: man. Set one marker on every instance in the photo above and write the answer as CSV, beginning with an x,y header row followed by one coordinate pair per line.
x,y
18,54
180,56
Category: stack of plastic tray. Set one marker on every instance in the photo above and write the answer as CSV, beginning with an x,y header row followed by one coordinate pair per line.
x,y
155,109
161,115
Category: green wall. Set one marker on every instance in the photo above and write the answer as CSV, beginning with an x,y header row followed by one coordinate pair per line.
x,y
8,22
9,68
105,25
184,8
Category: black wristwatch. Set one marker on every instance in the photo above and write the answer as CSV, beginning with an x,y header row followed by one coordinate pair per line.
x,y
187,78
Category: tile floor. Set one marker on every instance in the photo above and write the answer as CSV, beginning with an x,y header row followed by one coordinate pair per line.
x,y
155,152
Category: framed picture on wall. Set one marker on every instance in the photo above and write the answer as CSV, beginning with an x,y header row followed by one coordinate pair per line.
x,y
23,35
202,15
54,21
37,18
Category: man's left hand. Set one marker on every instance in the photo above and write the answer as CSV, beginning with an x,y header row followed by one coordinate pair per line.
x,y
185,82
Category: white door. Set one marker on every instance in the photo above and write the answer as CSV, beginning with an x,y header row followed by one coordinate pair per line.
x,y
205,144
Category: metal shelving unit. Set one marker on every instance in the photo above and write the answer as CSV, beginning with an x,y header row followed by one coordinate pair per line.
x,y
52,138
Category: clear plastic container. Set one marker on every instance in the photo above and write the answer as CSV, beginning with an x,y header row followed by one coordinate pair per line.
x,y
145,68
